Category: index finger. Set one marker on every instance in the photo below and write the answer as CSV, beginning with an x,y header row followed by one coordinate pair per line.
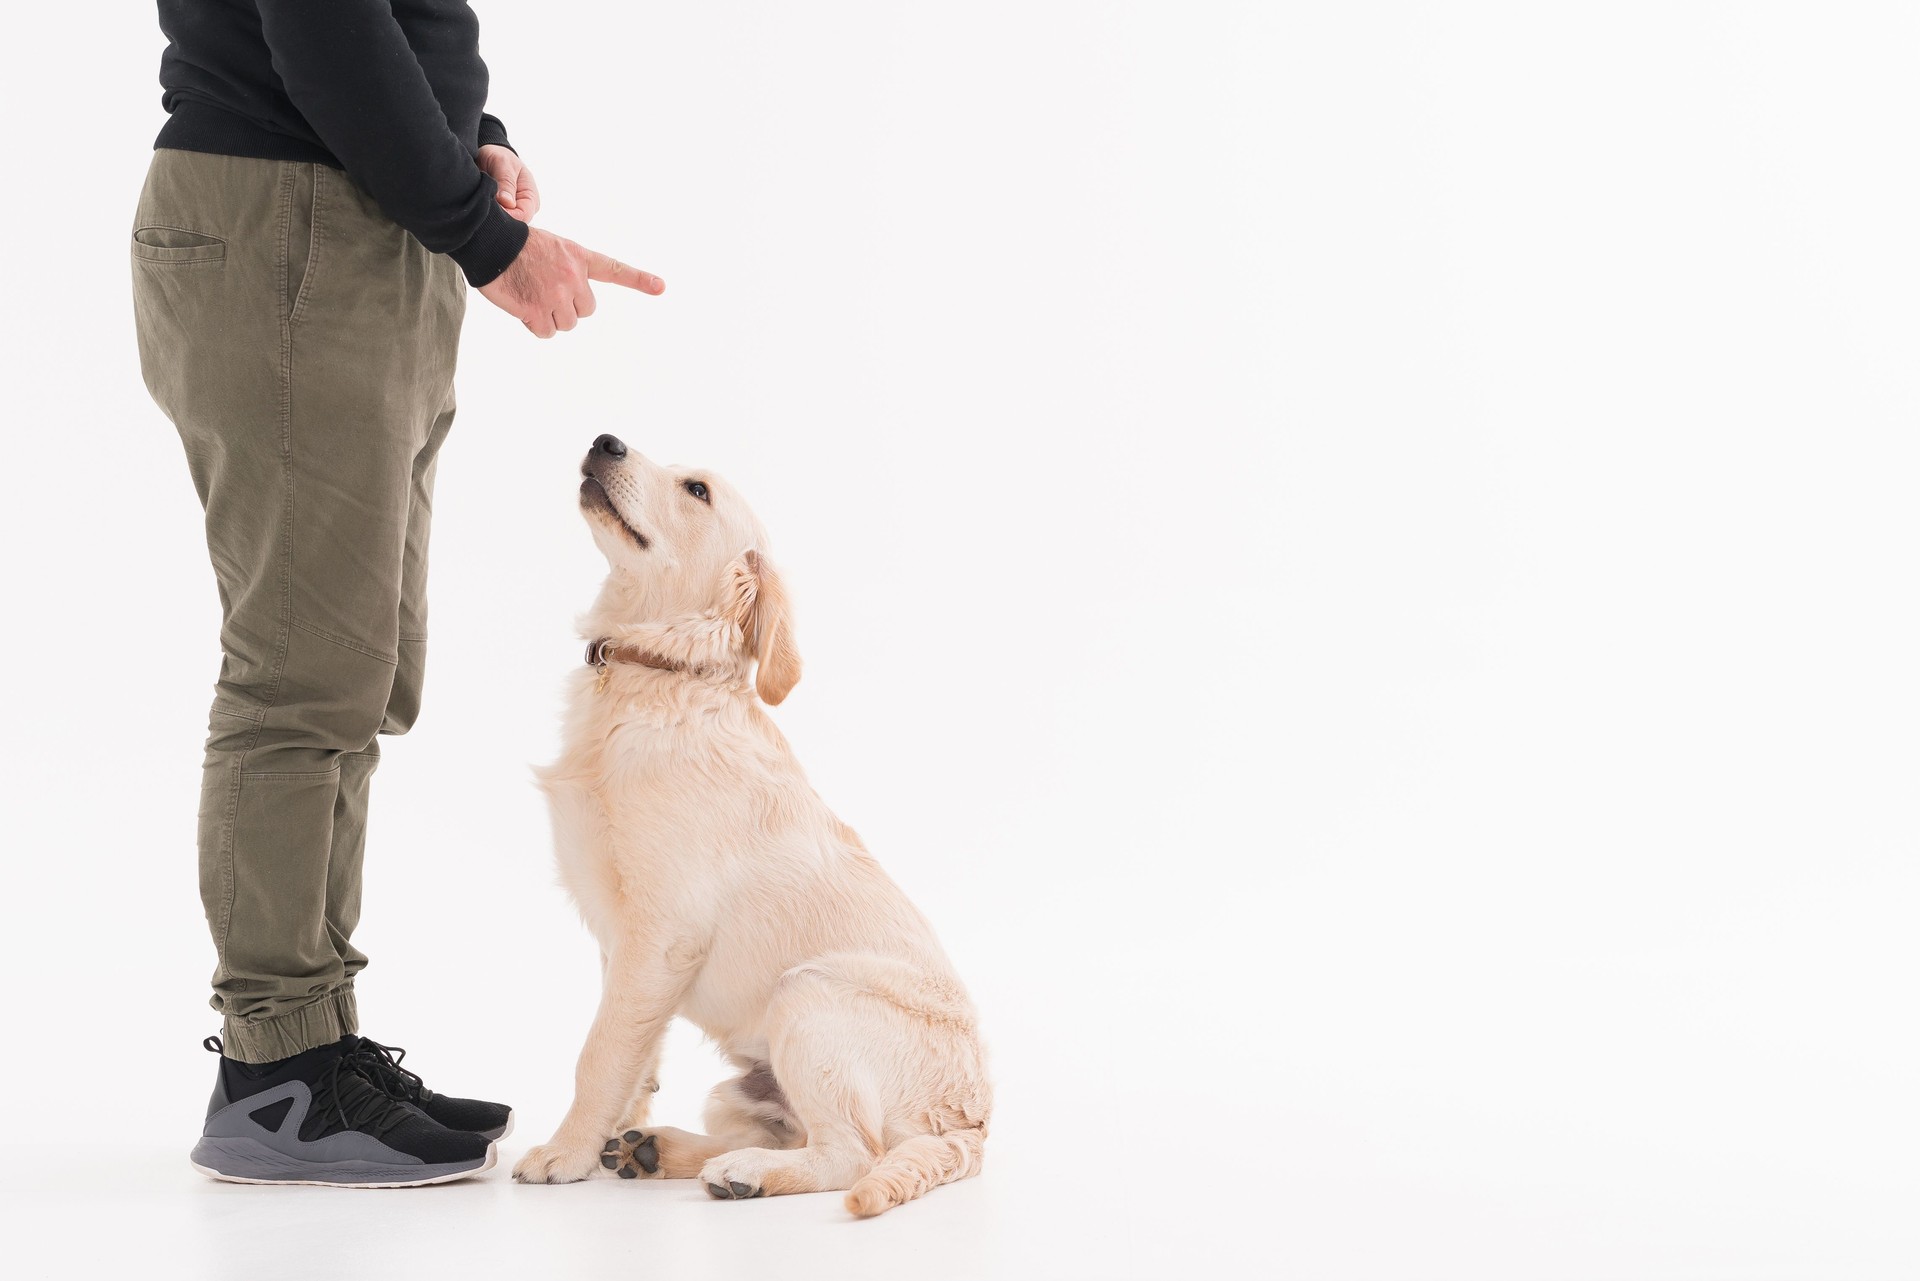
x,y
601,267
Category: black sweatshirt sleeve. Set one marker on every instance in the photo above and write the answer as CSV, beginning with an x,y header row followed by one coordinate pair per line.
x,y
348,68
494,134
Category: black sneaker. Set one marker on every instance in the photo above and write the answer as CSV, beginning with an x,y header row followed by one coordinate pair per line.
x,y
314,1118
380,1064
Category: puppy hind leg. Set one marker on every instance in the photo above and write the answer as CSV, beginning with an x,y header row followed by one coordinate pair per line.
x,y
833,1161
842,1142
751,1110
828,1049
742,1112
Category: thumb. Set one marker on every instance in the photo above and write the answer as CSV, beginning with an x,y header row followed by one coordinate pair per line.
x,y
505,172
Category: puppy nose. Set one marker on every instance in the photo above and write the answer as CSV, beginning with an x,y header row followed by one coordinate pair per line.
x,y
611,446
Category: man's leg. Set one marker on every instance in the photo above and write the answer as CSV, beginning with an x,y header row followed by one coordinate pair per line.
x,y
403,706
304,347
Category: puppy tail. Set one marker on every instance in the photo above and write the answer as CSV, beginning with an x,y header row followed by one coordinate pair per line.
x,y
914,1168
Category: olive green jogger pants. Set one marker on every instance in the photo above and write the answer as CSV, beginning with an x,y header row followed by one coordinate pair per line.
x,y
304,345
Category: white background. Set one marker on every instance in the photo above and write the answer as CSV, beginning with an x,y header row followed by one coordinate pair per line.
x,y
1358,560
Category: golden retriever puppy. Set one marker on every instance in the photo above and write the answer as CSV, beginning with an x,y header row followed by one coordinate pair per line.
x,y
723,890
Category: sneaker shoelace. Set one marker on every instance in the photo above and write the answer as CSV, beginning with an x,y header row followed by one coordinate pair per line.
x,y
380,1065
342,1092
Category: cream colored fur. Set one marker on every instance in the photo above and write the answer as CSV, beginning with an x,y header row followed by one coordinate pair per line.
x,y
721,889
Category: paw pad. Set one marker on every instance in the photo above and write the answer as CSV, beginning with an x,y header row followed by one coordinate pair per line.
x,y
631,1155
733,1191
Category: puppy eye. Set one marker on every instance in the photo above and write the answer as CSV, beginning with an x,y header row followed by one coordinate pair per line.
x,y
699,490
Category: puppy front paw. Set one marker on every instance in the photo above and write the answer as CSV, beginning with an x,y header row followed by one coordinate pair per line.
x,y
556,1163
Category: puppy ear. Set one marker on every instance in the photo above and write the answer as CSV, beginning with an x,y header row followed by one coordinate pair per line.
x,y
761,608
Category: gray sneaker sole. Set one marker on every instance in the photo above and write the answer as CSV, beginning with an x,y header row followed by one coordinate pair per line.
x,y
241,1160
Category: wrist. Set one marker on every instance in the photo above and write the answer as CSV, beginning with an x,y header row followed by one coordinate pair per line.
x,y
492,248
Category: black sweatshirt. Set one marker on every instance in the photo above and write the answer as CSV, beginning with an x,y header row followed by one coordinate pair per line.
x,y
390,91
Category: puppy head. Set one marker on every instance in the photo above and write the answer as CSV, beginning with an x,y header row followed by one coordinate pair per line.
x,y
685,546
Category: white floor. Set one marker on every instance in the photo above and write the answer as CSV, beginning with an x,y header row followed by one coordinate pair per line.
x,y
111,1209
1145,1202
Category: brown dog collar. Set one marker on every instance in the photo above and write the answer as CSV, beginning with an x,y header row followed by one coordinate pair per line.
x,y
603,651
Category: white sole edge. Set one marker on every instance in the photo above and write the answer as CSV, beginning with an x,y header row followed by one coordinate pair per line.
x,y
482,1168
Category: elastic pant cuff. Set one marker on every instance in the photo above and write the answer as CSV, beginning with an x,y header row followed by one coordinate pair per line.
x,y
283,1036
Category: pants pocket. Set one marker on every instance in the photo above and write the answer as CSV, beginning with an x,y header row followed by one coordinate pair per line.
x,y
303,237
177,245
